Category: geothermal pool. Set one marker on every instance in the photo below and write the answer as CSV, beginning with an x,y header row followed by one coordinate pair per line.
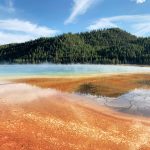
x,y
66,70
135,102
43,118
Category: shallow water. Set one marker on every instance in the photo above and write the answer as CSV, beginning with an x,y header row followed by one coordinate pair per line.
x,y
69,70
135,102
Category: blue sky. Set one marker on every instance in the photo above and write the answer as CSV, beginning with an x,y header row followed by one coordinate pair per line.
x,y
23,20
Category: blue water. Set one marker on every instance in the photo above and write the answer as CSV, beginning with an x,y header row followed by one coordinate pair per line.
x,y
62,70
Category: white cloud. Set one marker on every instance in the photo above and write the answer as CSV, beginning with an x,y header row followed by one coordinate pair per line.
x,y
142,28
15,30
102,23
140,1
8,6
25,26
137,24
80,7
7,38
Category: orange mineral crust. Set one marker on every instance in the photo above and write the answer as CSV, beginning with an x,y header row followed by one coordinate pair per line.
x,y
56,121
107,85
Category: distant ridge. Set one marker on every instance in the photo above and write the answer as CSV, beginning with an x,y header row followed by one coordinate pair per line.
x,y
108,46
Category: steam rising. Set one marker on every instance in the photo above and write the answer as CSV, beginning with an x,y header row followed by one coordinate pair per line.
x,y
18,93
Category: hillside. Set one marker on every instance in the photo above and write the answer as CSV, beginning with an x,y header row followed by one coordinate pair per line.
x,y
109,46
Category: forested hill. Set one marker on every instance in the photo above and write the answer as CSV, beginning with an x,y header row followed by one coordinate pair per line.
x,y
109,46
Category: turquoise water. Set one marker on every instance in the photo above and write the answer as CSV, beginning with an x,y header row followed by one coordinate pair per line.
x,y
62,70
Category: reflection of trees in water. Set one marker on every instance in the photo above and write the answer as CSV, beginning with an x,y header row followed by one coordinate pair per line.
x,y
88,88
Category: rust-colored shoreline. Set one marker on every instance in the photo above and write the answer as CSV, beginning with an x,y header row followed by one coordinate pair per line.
x,y
108,85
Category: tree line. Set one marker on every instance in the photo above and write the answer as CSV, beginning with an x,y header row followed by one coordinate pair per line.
x,y
108,46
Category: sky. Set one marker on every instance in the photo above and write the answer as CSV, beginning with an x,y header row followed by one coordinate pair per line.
x,y
23,20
